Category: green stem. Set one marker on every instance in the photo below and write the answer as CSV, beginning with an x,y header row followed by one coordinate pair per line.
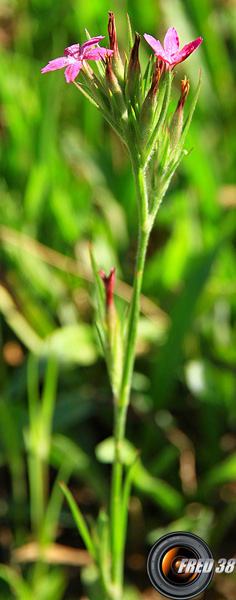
x,y
156,203
118,518
37,468
121,403
133,318
37,478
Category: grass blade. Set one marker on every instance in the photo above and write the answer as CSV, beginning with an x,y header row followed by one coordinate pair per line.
x,y
80,522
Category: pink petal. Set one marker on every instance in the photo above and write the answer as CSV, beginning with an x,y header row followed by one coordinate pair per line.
x,y
92,42
171,41
187,50
72,70
57,63
71,50
97,53
155,45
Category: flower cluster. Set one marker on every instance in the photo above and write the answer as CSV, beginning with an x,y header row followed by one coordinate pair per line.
x,y
135,105
76,55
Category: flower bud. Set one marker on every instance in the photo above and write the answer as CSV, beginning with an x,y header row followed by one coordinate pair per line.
x,y
155,81
176,124
112,34
134,71
114,342
114,88
116,59
109,282
111,316
149,104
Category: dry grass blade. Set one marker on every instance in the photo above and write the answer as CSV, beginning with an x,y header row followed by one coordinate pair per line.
x,y
64,263
55,554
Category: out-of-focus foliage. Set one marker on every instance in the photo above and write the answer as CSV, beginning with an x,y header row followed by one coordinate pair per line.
x,y
65,180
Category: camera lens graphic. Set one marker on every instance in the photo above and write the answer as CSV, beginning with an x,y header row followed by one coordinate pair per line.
x,y
165,559
171,562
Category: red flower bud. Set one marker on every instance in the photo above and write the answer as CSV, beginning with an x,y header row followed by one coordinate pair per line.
x,y
109,282
116,59
112,33
113,340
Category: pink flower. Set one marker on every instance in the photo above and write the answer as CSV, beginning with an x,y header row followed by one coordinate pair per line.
x,y
170,53
75,55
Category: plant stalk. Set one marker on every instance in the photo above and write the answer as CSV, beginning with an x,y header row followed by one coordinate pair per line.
x,y
121,403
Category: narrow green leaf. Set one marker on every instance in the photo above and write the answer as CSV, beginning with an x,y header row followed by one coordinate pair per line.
x,y
96,88
49,584
99,289
16,583
49,392
112,123
222,473
53,510
191,111
125,69
157,489
82,90
33,389
126,496
104,547
11,439
80,522
88,36
130,32
64,450
147,75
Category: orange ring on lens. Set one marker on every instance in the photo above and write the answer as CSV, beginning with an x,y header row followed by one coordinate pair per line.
x,y
170,573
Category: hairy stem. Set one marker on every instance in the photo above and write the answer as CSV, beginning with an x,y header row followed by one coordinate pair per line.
x,y
121,403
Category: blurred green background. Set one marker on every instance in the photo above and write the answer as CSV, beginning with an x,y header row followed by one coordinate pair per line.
x,y
65,180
